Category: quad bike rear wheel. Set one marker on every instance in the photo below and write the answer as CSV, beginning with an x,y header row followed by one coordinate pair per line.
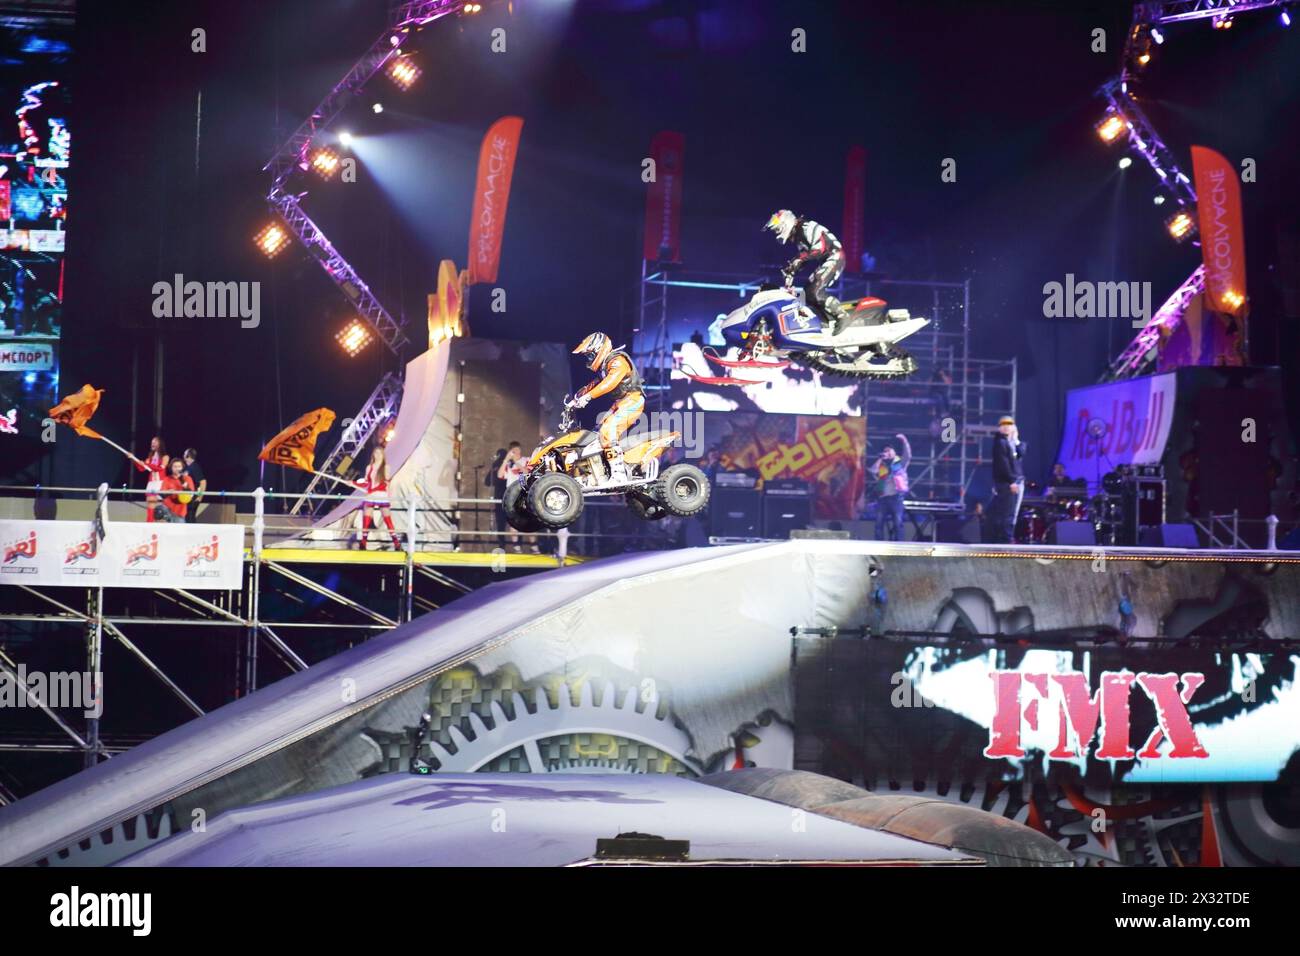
x,y
555,500
645,507
682,490
516,509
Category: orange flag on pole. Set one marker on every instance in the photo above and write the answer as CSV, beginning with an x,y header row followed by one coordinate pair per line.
x,y
296,445
75,410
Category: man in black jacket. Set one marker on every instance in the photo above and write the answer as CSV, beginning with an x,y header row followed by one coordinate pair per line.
x,y
1008,481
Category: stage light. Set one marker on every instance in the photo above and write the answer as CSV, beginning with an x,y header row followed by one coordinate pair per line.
x,y
1159,200
325,162
1125,162
1181,225
272,239
1110,127
403,72
1234,299
345,138
1157,35
1222,22
1144,59
389,433
1286,19
472,8
353,337
378,107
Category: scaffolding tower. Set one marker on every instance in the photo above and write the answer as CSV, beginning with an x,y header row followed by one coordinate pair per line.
x,y
948,409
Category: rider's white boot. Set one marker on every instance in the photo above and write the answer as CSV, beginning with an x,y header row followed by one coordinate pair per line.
x,y
617,469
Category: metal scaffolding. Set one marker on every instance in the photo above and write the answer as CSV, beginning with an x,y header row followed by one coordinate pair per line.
x,y
950,405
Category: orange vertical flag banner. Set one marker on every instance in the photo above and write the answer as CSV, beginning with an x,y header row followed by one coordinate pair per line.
x,y
1223,246
496,168
295,447
75,410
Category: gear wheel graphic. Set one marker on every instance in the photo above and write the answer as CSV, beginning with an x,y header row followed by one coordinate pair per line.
x,y
530,729
116,843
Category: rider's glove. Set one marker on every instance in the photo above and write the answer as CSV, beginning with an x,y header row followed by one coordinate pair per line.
x,y
580,401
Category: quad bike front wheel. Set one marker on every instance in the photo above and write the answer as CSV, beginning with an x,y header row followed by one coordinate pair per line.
x,y
516,509
645,507
555,500
682,490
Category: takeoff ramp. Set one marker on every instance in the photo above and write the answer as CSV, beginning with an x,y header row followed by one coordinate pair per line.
x,y
702,660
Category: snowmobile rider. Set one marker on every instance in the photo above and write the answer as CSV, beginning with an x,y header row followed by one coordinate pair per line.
x,y
815,243
619,377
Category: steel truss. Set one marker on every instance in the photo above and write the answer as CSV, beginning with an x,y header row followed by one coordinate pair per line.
x,y
977,391
1138,356
379,408
293,155
227,610
1141,353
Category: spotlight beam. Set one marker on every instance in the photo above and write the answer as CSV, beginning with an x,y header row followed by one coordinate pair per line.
x,y
293,155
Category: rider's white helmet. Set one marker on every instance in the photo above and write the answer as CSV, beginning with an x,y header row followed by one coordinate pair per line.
x,y
782,223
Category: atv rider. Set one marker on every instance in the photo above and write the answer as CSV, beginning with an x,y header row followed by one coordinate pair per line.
x,y
815,243
618,375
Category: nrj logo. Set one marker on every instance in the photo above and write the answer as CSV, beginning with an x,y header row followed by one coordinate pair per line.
x,y
146,550
1080,712
20,548
203,553
87,549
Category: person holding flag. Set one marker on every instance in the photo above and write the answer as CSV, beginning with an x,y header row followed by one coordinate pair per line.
x,y
375,485
156,467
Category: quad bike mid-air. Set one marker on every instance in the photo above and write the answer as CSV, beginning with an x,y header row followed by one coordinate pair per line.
x,y
569,467
777,327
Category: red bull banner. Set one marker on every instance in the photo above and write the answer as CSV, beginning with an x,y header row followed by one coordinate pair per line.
x,y
496,168
855,192
1223,247
663,199
129,555
826,452
1120,423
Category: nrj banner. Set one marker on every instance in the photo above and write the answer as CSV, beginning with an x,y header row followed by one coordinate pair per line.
x,y
1121,423
134,555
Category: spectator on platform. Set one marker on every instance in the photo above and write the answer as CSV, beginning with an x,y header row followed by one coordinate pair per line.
x,y
1008,481
195,471
497,482
890,473
173,508
156,467
508,472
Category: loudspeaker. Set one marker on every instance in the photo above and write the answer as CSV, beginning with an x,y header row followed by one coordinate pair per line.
x,y
735,513
784,513
965,530
1080,533
1170,536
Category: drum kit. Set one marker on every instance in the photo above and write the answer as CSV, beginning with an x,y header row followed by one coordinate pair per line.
x,y
1039,514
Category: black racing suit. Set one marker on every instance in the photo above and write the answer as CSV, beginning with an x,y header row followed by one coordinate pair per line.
x,y
816,243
